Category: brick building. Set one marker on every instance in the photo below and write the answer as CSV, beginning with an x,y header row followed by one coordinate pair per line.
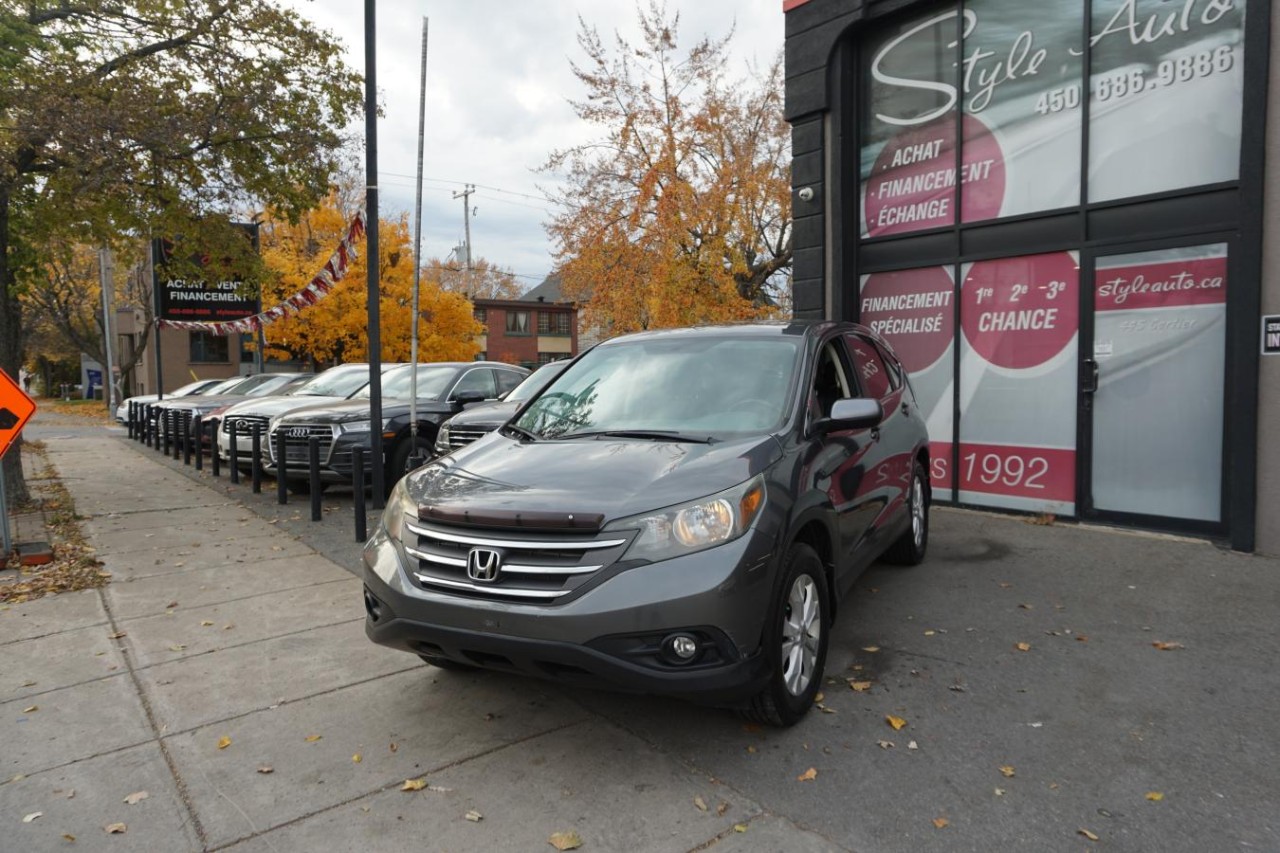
x,y
531,331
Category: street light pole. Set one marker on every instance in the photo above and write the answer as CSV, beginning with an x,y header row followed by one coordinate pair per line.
x,y
372,261
105,277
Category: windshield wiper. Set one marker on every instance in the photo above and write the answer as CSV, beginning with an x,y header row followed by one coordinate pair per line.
x,y
522,432
655,434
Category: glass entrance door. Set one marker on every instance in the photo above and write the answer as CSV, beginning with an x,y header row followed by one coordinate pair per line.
x,y
1154,387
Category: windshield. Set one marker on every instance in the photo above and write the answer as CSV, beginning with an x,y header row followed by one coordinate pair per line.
x,y
340,381
224,386
194,388
433,381
271,384
536,381
693,386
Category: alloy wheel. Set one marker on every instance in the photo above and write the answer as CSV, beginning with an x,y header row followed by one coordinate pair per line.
x,y
801,631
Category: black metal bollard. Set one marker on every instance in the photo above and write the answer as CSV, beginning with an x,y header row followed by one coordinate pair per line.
x,y
129,421
215,458
313,471
357,491
197,429
186,436
177,434
255,462
234,456
282,469
162,424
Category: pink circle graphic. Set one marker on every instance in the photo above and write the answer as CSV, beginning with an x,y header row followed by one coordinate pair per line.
x,y
912,184
914,310
1020,312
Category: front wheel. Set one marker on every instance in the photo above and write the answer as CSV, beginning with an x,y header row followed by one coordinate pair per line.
x,y
909,549
399,465
795,642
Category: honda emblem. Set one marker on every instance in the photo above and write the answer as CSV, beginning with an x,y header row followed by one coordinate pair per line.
x,y
483,565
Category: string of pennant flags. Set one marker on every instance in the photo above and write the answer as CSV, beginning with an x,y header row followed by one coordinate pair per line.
x,y
334,270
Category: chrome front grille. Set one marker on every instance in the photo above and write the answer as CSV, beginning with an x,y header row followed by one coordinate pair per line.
x,y
297,439
244,424
538,565
462,436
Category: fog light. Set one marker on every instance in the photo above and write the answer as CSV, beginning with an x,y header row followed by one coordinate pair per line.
x,y
683,647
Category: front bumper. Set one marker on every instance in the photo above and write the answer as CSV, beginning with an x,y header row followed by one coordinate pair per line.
x,y
598,638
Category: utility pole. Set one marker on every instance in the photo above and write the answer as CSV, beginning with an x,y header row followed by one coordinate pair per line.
x,y
105,280
465,195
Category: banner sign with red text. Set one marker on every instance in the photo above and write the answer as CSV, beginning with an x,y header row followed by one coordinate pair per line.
x,y
1018,370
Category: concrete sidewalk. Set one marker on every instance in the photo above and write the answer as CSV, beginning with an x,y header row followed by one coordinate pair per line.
x,y
224,622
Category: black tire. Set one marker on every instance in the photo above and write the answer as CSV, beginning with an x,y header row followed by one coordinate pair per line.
x,y
446,663
795,677
399,464
910,548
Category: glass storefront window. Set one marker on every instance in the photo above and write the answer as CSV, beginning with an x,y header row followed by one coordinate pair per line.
x,y
908,127
1022,104
1018,370
914,310
1166,92
1160,321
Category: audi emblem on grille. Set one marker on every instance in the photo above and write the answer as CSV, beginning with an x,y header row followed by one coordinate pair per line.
x,y
483,565
297,432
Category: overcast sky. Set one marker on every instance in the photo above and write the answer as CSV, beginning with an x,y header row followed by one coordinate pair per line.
x,y
498,80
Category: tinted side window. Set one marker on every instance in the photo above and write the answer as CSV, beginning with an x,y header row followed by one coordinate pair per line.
x,y
479,379
873,376
508,379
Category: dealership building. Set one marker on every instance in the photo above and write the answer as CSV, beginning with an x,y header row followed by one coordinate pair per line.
x,y
1063,217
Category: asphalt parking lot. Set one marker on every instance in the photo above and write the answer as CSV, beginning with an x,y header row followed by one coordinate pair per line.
x,y
1059,688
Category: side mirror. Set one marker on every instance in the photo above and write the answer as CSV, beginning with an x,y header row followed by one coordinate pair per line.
x,y
857,413
463,398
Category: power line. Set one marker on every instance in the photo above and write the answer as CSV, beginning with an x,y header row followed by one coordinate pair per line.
x,y
477,186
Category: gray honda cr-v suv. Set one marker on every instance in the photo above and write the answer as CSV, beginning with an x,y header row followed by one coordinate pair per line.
x,y
678,512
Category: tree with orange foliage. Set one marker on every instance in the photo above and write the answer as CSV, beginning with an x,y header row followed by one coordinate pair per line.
x,y
483,281
335,329
680,212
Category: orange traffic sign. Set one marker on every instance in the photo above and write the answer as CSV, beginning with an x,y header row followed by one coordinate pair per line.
x,y
16,408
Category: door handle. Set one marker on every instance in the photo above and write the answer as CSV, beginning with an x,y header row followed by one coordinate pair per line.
x,y
1089,378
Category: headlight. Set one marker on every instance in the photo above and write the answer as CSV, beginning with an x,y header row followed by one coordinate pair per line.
x,y
354,426
442,438
696,525
398,504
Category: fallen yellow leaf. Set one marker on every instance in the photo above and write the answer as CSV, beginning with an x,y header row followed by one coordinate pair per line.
x,y
565,840
808,775
206,623
885,744
31,709
117,635
897,723
224,742
32,816
1168,647
413,785
1155,796
115,828
474,816
66,836
1087,834
940,822
1023,647
357,758
860,686
872,649
739,827
819,697
700,803
1006,771
266,768
136,797
313,738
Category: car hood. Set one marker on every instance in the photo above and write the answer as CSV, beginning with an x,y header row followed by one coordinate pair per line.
x,y
269,407
613,477
486,415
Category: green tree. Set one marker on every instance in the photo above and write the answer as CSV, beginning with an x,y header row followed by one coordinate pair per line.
x,y
678,212
121,119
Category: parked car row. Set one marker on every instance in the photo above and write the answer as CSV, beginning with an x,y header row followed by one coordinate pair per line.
x,y
334,407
